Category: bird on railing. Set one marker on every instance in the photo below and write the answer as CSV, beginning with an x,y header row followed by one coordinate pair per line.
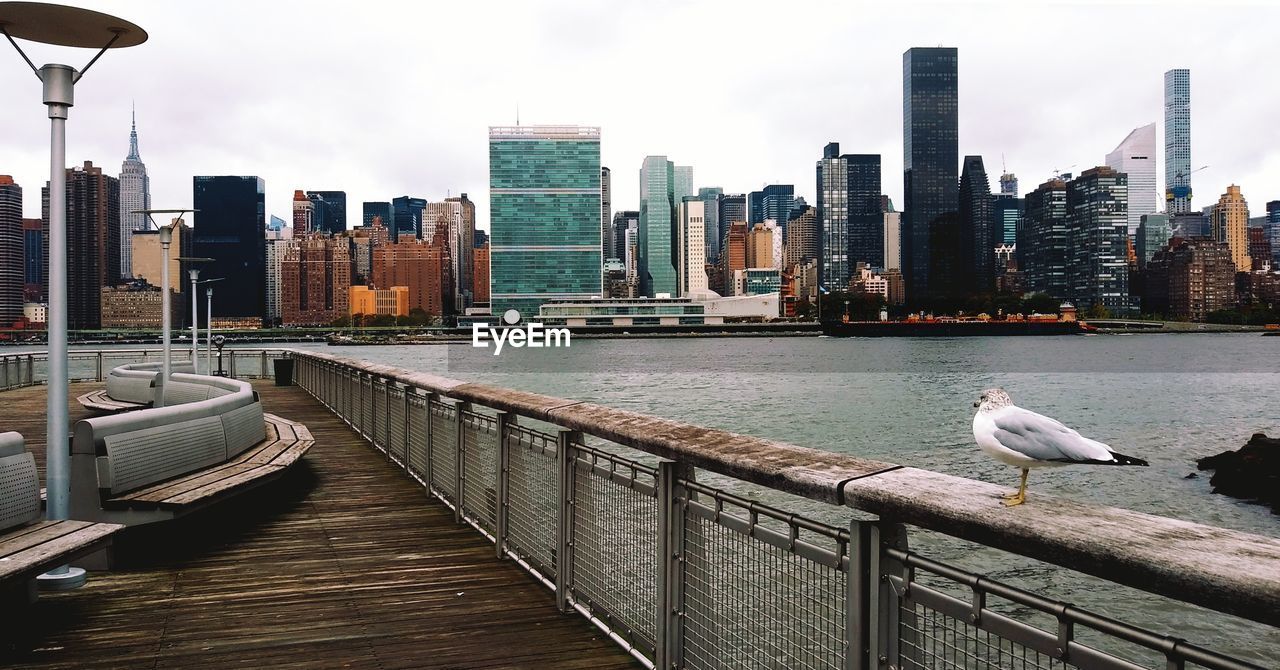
x,y
1025,439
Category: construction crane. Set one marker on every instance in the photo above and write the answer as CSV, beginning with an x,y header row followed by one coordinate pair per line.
x,y
1063,174
1178,189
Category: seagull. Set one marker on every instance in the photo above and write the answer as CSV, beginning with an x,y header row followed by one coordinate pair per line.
x,y
1028,440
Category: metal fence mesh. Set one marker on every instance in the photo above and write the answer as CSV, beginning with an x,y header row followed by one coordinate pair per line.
x,y
615,533
931,640
480,469
396,438
750,604
417,460
532,498
444,448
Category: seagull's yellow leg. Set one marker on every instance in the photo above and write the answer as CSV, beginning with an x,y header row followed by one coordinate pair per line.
x,y
1021,496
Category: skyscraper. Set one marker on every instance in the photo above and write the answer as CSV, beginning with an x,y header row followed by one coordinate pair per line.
x,y
1153,233
230,228
93,241
693,260
458,213
1136,157
866,223
833,218
622,221
657,254
710,197
777,201
1177,141
372,209
544,195
12,274
606,214
331,211
304,212
1098,238
315,281
1009,184
35,253
278,244
978,240
1042,241
406,217
1273,231
930,162
1230,223
733,208
801,244
135,195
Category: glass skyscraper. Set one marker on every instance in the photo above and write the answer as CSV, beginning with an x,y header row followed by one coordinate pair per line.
x,y
544,201
372,209
332,217
710,197
849,207
406,217
231,228
1136,157
930,163
656,263
776,202
1177,141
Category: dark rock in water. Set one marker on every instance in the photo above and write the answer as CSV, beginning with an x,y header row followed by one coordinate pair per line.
x,y
1192,475
1252,472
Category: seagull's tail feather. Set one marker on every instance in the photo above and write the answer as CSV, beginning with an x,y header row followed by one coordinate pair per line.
x,y
1121,459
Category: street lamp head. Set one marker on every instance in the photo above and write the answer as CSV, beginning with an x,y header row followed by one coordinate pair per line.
x,y
166,235
65,26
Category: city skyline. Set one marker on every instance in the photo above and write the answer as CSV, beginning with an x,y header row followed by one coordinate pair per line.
x,y
238,120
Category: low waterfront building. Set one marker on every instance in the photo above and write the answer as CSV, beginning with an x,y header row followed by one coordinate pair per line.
x,y
756,281
392,301
35,312
137,305
704,308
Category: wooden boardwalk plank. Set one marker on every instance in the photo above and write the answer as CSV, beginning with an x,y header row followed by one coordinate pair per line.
x,y
343,562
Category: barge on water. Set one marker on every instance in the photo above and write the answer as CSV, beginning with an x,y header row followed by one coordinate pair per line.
x,y
952,328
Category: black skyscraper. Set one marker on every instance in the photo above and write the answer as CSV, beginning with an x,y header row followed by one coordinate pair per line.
x,y
230,228
372,209
406,215
930,225
977,235
331,211
733,209
866,221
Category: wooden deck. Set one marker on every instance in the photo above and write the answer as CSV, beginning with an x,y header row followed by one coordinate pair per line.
x,y
343,563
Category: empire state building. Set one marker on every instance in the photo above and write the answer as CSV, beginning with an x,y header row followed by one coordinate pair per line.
x,y
135,194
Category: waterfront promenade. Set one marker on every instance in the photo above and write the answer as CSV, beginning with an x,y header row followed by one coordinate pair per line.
x,y
344,563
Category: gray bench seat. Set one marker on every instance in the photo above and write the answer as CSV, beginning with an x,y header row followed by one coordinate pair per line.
x,y
132,386
30,546
285,442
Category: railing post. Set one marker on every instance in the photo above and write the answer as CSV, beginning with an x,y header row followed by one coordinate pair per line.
x,y
459,460
98,368
431,401
670,555
504,474
31,369
858,585
264,365
408,426
231,367
883,610
566,457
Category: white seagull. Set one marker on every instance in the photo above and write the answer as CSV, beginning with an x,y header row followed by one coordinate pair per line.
x,y
1028,440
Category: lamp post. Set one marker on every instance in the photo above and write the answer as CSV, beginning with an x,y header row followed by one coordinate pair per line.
x,y
70,27
195,302
208,342
208,311
166,318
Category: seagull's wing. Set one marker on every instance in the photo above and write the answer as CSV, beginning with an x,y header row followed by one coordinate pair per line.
x,y
1045,439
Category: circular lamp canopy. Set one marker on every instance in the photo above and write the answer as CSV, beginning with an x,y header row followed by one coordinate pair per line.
x,y
67,26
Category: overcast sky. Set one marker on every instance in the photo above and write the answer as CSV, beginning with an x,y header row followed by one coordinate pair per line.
x,y
383,99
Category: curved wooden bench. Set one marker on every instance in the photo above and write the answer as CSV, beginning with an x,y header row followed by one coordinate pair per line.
x,y
286,441
130,387
101,402
30,546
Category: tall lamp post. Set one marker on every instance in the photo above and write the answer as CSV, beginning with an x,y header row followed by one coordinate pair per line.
x,y
69,27
208,315
194,272
166,307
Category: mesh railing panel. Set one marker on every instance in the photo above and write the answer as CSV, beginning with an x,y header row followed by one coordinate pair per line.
x,y
444,448
380,415
395,441
751,604
480,469
417,461
615,534
931,640
532,477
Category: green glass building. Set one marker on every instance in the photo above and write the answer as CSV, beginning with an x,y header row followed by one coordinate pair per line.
x,y
544,198
663,184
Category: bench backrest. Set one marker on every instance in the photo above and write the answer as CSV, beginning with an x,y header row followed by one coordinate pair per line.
x,y
146,446
134,382
19,483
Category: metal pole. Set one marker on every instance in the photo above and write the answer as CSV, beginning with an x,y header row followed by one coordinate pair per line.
x,y
165,324
195,323
59,96
208,342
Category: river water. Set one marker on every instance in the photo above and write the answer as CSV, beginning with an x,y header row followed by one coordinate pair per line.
x,y
1168,399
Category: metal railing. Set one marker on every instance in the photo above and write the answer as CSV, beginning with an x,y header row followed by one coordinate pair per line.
x,y
685,575
27,369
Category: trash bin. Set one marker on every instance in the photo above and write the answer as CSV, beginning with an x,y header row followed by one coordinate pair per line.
x,y
284,371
